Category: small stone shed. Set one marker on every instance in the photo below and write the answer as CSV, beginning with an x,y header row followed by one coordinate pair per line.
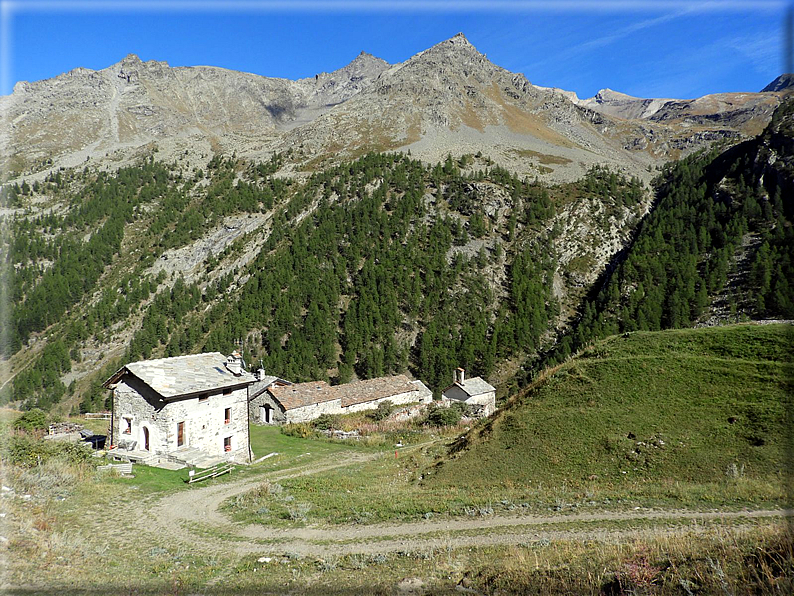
x,y
261,409
180,405
306,401
475,392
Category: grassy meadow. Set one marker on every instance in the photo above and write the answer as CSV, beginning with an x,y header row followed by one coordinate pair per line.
x,y
684,418
695,406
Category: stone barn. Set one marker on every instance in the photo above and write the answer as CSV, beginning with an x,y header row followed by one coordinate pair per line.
x,y
306,401
367,394
302,402
191,409
475,392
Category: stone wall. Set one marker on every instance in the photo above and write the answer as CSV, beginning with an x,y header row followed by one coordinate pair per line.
x,y
312,411
136,402
421,395
265,399
408,397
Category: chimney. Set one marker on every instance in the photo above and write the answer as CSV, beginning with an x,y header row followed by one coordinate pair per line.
x,y
235,363
260,372
460,376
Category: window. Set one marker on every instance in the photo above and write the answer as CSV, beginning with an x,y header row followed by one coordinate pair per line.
x,y
227,415
127,426
204,397
227,444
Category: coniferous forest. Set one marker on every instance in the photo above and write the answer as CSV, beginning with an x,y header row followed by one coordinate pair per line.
x,y
382,265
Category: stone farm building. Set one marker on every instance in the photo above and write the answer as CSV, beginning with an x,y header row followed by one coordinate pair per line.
x,y
306,401
182,409
475,392
260,408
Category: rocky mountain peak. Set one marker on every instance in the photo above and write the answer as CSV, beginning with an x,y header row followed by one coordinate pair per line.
x,y
608,94
365,63
131,59
457,43
781,83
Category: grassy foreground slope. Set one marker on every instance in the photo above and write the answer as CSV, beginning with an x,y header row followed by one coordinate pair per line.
x,y
694,405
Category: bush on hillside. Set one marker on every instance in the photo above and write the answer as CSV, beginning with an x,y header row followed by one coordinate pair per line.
x,y
438,416
382,411
26,451
35,419
326,422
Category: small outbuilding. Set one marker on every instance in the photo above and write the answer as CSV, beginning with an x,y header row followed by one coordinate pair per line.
x,y
261,408
475,392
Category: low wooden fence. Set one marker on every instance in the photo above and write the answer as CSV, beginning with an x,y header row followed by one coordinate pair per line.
x,y
212,472
97,415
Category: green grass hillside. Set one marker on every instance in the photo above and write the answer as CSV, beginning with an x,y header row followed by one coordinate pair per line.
x,y
692,405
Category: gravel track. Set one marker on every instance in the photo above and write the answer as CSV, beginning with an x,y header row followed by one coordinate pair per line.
x,y
192,519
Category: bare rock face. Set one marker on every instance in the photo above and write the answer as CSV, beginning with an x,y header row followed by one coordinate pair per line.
x,y
782,83
744,113
447,99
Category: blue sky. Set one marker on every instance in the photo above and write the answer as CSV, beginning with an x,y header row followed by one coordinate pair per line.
x,y
652,48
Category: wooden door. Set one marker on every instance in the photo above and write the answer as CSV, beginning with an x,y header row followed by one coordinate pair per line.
x,y
180,434
145,439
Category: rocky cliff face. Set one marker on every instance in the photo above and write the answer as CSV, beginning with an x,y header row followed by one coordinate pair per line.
x,y
781,83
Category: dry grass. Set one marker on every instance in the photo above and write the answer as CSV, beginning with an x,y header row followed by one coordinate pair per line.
x,y
757,560
471,118
543,158
521,122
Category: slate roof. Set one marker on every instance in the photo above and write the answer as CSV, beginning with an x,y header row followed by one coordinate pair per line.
x,y
306,394
184,375
473,386
303,394
259,387
360,392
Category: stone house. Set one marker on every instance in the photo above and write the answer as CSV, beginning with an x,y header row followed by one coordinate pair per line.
x,y
306,401
181,408
475,392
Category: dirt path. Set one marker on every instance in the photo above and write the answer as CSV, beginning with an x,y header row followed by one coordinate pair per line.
x,y
192,519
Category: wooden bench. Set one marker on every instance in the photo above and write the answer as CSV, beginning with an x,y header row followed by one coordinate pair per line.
x,y
120,468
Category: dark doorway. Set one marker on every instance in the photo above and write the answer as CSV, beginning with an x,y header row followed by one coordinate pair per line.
x,y
145,439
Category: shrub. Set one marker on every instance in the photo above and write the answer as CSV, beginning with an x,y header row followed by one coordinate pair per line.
x,y
382,411
443,416
463,408
35,419
326,422
298,429
26,451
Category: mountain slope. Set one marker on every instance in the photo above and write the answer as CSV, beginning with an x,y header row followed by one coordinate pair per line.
x,y
677,406
362,270
716,246
447,99
781,83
